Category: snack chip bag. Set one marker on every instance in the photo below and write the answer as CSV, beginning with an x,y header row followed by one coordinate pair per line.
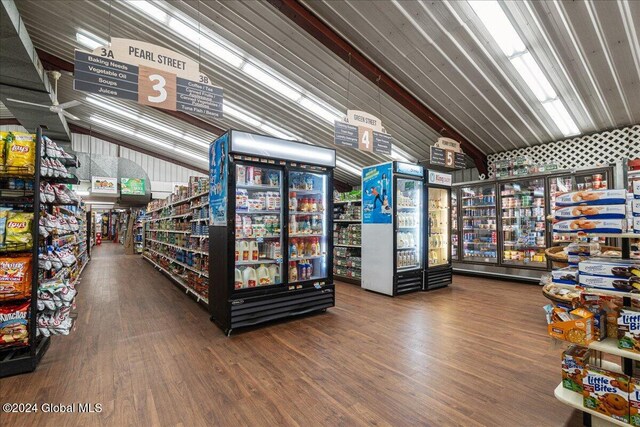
x,y
3,135
3,224
21,151
15,278
18,228
13,325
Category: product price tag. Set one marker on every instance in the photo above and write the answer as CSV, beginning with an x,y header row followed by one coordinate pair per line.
x,y
260,239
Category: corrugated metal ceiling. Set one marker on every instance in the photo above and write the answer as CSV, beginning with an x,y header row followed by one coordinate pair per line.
x,y
442,54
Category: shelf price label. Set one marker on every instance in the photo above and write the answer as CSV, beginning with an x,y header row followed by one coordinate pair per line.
x,y
148,74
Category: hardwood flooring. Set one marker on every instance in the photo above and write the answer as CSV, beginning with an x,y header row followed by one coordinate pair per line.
x,y
473,354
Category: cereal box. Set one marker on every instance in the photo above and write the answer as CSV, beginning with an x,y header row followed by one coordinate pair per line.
x,y
574,362
634,400
629,330
606,392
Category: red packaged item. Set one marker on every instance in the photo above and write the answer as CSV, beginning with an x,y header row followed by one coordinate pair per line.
x,y
13,325
15,278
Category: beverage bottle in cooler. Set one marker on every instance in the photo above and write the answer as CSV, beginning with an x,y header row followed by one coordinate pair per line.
x,y
254,250
244,250
264,278
237,250
307,226
249,277
314,246
293,202
238,282
293,272
274,273
309,269
293,249
301,247
293,225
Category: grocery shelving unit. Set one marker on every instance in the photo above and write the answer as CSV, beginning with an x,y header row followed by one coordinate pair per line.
x,y
347,257
172,238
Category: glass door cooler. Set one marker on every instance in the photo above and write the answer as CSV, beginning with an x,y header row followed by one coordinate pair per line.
x,y
455,240
523,222
269,233
392,206
439,234
477,206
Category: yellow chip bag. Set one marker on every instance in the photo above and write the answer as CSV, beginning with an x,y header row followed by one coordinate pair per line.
x,y
21,151
18,228
3,135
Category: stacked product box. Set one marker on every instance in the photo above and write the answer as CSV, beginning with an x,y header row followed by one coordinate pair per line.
x,y
591,211
614,275
635,206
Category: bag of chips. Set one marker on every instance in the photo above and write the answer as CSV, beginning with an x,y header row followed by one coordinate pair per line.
x,y
3,135
19,228
15,278
21,151
13,325
4,212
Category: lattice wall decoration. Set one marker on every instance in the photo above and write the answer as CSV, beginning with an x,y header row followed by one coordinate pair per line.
x,y
584,151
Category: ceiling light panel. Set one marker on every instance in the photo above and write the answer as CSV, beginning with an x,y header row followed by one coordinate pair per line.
x,y
533,76
271,82
89,40
499,26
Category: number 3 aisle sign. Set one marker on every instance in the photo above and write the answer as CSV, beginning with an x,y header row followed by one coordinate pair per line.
x,y
148,74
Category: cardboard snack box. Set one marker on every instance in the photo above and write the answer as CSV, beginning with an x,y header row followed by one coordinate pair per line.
x,y
629,330
621,284
574,364
606,392
610,268
634,400
576,331
593,197
590,226
591,212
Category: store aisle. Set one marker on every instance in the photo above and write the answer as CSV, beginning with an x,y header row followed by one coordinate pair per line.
x,y
472,354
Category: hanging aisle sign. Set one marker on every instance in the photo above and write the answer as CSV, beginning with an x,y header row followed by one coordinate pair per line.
x,y
135,186
362,131
448,153
148,74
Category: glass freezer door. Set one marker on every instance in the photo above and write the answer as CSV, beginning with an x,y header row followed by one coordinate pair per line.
x,y
308,226
408,224
479,235
523,223
438,223
258,219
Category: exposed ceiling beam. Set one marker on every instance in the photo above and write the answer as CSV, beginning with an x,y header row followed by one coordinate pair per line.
x,y
84,131
306,20
52,62
9,121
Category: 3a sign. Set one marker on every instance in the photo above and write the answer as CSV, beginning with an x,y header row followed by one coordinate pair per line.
x,y
447,158
362,131
148,74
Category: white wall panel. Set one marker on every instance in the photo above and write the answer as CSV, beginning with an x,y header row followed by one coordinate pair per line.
x,y
162,174
12,128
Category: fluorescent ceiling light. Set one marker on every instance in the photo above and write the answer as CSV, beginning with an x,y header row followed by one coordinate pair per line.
x,y
240,115
319,110
184,30
149,9
533,76
106,123
499,26
400,155
497,23
561,117
89,40
195,140
111,107
93,202
216,49
271,82
348,167
157,126
82,192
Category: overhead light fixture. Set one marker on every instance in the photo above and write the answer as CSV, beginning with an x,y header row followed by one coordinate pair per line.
x,y
106,123
95,202
271,82
149,9
111,107
240,115
397,154
531,73
89,40
82,192
494,19
500,28
319,110
349,168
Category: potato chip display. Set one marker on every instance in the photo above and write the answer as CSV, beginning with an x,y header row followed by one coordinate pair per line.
x,y
13,325
18,228
15,278
3,224
21,151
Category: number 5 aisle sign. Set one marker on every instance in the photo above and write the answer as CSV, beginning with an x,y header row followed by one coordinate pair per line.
x,y
148,74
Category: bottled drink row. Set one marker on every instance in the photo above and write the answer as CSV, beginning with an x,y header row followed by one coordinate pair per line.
x,y
251,226
305,204
252,250
257,200
252,175
305,247
407,258
249,277
407,219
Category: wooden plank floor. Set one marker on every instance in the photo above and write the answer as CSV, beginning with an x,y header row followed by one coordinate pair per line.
x,y
475,353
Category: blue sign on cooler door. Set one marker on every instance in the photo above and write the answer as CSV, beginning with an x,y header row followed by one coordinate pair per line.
x,y
377,194
218,171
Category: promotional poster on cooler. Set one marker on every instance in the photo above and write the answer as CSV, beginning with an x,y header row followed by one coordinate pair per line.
x,y
218,179
377,197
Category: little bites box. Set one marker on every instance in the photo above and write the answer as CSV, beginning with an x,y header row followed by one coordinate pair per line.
x,y
634,402
606,392
574,367
629,330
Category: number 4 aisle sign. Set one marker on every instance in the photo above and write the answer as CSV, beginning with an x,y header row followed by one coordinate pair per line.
x,y
148,74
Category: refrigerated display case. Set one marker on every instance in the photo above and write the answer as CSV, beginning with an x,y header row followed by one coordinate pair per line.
x,y
479,224
523,223
438,223
455,241
392,206
270,229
